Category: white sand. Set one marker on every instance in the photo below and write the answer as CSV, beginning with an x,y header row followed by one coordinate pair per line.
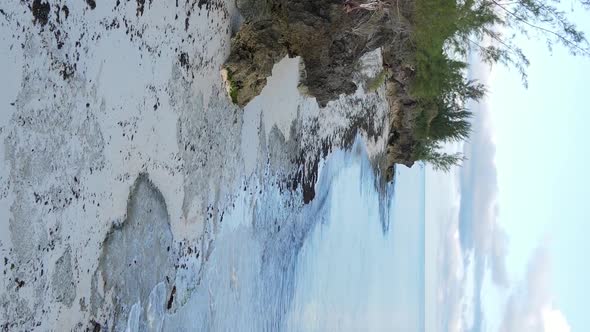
x,y
130,106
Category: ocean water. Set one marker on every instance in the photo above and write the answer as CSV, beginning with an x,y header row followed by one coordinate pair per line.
x,y
352,259
352,276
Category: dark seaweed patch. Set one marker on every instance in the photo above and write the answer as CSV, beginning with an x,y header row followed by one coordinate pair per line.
x,y
204,2
40,12
66,10
184,60
91,4
171,299
140,7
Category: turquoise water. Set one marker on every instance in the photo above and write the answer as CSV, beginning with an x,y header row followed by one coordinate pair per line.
x,y
350,275
352,259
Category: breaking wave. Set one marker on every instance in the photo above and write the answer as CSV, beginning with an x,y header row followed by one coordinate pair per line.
x,y
342,262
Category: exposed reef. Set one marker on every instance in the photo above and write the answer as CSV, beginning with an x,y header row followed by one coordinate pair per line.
x,y
136,255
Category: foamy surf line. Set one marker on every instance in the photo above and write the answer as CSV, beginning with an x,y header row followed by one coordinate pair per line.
x,y
330,266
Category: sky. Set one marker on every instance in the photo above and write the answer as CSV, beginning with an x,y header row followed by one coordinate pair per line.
x,y
523,217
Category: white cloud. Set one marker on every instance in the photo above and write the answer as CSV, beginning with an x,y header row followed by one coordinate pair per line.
x,y
483,246
554,321
480,231
530,308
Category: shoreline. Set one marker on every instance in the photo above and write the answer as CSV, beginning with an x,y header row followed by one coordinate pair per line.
x,y
75,144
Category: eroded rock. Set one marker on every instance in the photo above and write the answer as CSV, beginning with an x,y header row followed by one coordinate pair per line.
x,y
329,40
64,288
136,255
401,140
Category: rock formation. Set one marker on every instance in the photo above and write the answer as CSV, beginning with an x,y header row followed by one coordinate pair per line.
x,y
329,40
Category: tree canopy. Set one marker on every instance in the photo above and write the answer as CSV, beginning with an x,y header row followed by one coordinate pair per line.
x,y
443,33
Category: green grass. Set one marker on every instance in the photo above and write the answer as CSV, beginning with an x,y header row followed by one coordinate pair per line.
x,y
377,81
233,89
233,93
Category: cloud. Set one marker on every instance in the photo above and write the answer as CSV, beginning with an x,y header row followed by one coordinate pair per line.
x,y
452,276
497,256
483,241
471,242
479,230
484,246
530,307
554,321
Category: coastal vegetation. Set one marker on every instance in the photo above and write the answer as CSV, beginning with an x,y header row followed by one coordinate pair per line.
x,y
426,47
441,35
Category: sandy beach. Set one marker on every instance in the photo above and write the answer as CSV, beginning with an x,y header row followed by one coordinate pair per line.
x,y
106,98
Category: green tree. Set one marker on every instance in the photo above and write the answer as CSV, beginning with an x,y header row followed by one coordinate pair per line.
x,y
443,33
446,31
429,152
490,27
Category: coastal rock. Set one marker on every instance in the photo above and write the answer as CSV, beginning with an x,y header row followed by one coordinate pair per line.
x,y
64,289
144,96
136,255
401,140
329,40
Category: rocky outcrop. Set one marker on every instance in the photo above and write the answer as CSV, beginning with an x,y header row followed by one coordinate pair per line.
x,y
329,40
136,256
401,140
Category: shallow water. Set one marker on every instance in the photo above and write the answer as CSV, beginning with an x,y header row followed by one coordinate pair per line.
x,y
350,275
338,264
